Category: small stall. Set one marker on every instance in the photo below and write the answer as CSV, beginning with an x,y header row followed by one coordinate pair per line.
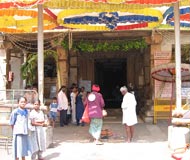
x,y
165,73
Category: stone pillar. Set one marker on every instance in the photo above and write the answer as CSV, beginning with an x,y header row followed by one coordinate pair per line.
x,y
24,60
62,70
154,41
3,64
73,67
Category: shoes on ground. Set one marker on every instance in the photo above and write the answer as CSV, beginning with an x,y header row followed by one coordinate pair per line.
x,y
98,142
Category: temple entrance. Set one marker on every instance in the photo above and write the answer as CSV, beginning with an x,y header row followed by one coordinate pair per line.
x,y
112,70
110,74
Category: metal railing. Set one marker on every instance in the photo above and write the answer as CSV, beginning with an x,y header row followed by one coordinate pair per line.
x,y
9,97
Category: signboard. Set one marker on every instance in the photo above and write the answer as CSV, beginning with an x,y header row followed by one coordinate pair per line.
x,y
162,55
186,91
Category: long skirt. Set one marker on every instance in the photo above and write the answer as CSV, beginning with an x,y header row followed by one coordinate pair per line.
x,y
40,135
21,146
96,127
33,142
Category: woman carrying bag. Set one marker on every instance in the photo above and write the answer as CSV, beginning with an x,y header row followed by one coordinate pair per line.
x,y
95,104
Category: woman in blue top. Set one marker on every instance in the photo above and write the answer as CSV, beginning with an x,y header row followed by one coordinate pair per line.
x,y
19,123
79,108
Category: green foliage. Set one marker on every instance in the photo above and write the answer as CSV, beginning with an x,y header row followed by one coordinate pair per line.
x,y
65,44
185,50
29,68
106,46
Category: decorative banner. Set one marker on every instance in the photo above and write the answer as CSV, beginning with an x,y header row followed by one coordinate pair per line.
x,y
184,16
134,1
15,20
91,4
49,12
110,20
115,5
19,3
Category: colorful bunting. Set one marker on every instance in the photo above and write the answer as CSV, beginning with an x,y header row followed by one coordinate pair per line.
x,y
133,1
19,3
184,16
10,22
115,5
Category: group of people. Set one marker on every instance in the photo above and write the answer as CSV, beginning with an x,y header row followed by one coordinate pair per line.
x,y
28,133
69,105
79,100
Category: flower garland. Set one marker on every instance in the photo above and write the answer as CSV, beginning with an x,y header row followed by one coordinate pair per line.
x,y
20,3
29,44
28,24
134,4
106,46
133,1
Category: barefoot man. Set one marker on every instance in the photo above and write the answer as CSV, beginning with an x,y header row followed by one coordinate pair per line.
x,y
129,112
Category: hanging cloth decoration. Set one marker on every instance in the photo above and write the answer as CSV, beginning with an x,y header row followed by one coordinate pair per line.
x,y
19,3
11,21
114,5
154,2
94,20
184,17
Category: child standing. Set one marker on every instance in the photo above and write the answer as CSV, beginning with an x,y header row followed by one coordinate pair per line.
x,y
19,123
53,111
37,136
69,114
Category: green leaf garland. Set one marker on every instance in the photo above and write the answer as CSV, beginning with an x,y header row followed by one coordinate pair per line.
x,y
106,46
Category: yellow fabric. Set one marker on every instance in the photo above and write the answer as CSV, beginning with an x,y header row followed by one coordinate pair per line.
x,y
78,4
101,28
8,21
22,1
115,1
87,27
91,5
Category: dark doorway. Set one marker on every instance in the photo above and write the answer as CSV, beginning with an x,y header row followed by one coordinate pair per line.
x,y
110,74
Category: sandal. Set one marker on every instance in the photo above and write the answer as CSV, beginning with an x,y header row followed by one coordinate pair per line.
x,y
179,153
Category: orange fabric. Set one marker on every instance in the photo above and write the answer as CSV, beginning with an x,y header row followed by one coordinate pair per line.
x,y
85,117
20,4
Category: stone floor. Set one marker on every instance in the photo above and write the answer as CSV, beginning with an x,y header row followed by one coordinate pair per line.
x,y
73,143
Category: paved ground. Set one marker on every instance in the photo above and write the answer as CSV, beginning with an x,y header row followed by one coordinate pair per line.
x,y
73,143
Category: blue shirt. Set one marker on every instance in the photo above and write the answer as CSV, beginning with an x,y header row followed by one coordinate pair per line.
x,y
19,121
53,107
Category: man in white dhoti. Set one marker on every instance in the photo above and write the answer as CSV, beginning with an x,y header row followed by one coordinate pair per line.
x,y
129,112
